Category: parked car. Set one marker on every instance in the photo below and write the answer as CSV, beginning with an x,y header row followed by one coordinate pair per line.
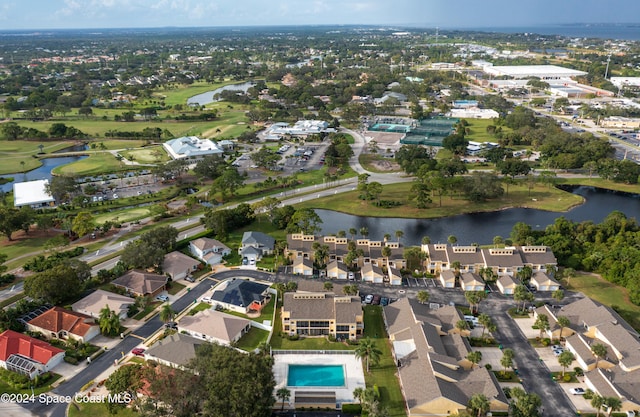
x,y
376,300
206,300
577,391
162,297
384,301
558,352
190,279
351,276
171,325
368,299
138,351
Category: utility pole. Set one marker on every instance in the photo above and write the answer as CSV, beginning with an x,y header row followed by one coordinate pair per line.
x,y
606,71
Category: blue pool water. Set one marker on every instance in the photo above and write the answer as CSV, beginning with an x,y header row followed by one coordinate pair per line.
x,y
315,376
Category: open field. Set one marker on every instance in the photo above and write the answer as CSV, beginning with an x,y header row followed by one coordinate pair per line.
x,y
180,95
610,294
540,197
149,155
478,130
96,163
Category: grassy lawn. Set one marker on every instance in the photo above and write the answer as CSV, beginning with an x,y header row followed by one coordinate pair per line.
x,y
176,287
17,154
384,374
181,94
478,130
541,197
126,215
252,339
600,183
16,248
608,294
96,163
267,311
97,410
148,155
198,308
6,388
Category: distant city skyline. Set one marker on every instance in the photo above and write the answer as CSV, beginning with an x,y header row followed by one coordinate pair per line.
x,y
447,14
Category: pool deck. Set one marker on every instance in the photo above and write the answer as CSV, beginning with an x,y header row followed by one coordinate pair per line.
x,y
354,373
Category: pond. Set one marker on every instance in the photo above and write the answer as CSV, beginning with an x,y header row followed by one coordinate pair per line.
x,y
482,227
206,98
41,173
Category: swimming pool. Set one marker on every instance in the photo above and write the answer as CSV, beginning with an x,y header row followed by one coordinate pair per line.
x,y
315,376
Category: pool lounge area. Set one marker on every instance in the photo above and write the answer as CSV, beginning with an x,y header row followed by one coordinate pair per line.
x,y
318,378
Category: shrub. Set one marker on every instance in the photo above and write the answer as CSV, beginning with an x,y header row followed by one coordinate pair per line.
x,y
546,341
352,409
566,378
294,337
578,371
71,360
488,366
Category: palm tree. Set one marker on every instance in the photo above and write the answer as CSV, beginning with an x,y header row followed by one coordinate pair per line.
x,y
567,274
328,285
108,321
474,357
497,241
341,233
542,323
613,404
353,231
558,295
386,252
423,296
507,359
565,360
284,394
166,313
563,322
479,403
358,394
386,237
399,235
597,401
364,231
426,240
485,320
462,325
599,351
368,351
452,239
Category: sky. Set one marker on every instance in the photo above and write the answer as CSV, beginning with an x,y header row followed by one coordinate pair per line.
x,y
76,14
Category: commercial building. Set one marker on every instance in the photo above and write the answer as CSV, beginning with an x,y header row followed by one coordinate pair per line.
x,y
33,194
191,147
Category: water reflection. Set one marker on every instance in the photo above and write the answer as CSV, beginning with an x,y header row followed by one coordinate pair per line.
x,y
482,227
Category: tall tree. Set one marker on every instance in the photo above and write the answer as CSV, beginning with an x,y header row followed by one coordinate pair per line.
x,y
479,404
558,295
613,404
368,351
485,321
127,380
507,359
565,359
423,296
542,323
83,223
599,351
523,404
563,322
284,394
166,313
474,357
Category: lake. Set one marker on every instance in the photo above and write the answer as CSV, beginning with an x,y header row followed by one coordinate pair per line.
x,y
482,227
41,173
206,98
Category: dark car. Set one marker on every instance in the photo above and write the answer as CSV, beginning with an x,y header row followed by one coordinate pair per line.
x,y
171,325
384,301
376,300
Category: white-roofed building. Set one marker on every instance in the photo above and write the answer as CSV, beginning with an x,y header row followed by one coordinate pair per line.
x,y
191,147
32,193
544,72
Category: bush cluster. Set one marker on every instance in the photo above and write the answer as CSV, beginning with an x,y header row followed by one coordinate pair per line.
x,y
41,263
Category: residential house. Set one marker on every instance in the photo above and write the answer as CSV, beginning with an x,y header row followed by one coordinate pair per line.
x,y
506,284
447,278
27,355
539,258
210,251
214,326
435,377
543,282
395,277
322,314
302,266
92,304
580,346
437,259
372,273
503,261
337,270
241,295
141,283
465,258
470,281
255,245
318,286
175,350
178,265
58,323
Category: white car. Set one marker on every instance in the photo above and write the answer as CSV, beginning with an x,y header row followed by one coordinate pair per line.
x,y
206,300
577,391
352,276
368,299
162,297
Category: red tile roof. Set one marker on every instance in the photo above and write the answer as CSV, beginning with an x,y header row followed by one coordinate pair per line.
x,y
12,343
57,319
